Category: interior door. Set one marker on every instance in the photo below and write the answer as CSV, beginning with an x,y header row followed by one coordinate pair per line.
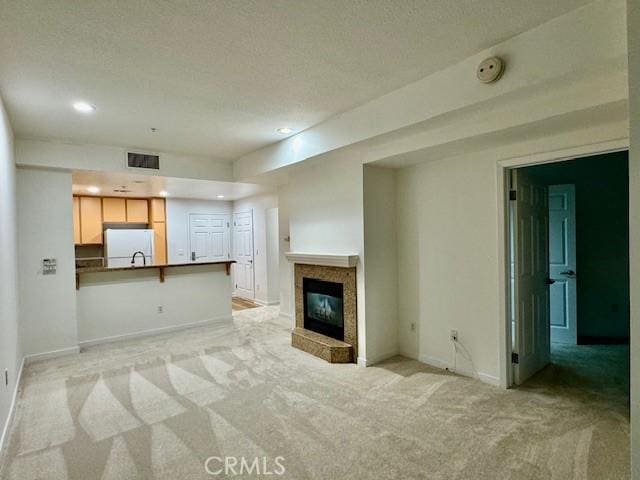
x,y
243,254
531,274
209,237
562,263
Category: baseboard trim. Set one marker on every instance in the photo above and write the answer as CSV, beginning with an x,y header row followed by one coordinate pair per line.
x,y
586,340
375,359
268,303
12,409
40,357
285,314
444,365
154,331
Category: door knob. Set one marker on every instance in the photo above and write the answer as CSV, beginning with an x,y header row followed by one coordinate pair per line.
x,y
571,273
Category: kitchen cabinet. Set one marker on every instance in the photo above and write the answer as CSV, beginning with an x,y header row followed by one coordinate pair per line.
x,y
76,221
114,210
160,243
137,210
157,210
90,220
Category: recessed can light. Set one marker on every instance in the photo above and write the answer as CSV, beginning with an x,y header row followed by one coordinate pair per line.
x,y
285,130
220,196
164,193
84,107
93,189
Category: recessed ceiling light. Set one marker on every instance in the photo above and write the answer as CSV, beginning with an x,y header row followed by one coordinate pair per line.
x,y
220,196
84,107
164,193
285,130
93,189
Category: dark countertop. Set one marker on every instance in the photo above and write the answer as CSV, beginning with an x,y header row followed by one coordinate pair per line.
x,y
147,267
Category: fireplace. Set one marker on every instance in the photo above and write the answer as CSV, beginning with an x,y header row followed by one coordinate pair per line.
x,y
326,311
323,307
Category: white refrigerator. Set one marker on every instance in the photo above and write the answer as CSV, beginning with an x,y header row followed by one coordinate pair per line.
x,y
121,244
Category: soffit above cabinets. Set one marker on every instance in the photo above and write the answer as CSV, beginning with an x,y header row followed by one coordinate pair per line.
x,y
131,185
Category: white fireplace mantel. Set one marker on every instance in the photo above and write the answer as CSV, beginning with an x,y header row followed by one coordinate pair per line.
x,y
327,260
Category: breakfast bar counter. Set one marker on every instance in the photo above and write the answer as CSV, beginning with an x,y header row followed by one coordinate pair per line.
x,y
161,268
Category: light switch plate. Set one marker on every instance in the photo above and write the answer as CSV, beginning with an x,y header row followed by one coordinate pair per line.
x,y
49,266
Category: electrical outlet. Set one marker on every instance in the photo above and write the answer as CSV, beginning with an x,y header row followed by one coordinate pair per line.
x,y
453,335
412,327
160,309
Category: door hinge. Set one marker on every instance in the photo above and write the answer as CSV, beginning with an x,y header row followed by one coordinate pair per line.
x,y
227,224
512,195
514,358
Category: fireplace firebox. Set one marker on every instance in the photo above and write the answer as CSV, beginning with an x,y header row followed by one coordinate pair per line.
x,y
323,307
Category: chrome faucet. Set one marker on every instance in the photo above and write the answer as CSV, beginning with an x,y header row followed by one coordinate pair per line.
x,y
133,258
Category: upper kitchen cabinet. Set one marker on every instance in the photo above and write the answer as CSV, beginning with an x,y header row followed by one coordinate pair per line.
x,y
90,220
137,211
114,210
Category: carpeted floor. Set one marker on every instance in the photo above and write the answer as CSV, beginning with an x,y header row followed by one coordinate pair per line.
x,y
158,408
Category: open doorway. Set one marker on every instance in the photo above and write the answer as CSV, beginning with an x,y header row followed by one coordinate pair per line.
x,y
569,271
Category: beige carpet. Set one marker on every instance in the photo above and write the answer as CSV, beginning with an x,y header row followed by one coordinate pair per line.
x,y
159,407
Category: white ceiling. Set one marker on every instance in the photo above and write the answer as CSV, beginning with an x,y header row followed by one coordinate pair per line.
x,y
151,186
218,77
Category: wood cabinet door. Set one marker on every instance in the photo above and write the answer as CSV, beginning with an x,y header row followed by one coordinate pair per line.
x,y
114,210
91,220
76,221
160,243
137,211
157,209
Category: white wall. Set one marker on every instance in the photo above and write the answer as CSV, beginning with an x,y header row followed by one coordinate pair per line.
x,y
259,205
178,210
381,273
117,304
10,352
634,225
45,230
272,231
285,269
57,154
448,254
323,202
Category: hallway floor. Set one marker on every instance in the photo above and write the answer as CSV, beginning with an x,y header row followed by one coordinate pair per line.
x,y
157,408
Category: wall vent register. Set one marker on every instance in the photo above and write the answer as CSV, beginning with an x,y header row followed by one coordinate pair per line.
x,y
143,160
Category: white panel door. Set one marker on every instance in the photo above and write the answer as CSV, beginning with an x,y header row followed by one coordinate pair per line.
x,y
209,237
531,274
562,263
243,254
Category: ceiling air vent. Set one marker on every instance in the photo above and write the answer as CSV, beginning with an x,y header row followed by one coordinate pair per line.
x,y
143,160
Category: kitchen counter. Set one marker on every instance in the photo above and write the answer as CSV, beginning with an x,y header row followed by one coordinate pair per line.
x,y
161,268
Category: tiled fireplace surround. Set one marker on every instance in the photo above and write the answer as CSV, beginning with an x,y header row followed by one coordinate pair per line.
x,y
329,349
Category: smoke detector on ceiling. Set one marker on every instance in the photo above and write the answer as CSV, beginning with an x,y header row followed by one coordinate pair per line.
x,y
490,69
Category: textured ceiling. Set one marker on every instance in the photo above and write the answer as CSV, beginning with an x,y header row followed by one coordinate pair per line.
x,y
218,77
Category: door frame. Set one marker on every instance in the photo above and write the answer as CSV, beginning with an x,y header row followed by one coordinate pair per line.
x,y
503,168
